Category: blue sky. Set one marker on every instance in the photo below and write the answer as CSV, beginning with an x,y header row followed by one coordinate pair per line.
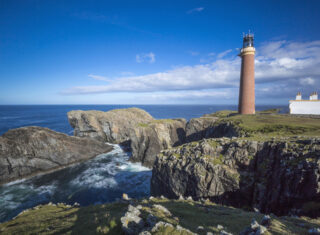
x,y
155,52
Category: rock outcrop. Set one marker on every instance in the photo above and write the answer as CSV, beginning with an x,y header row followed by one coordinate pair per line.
x,y
113,126
133,128
29,150
278,176
210,126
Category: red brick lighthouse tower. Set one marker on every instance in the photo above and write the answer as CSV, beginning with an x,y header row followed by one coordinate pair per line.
x,y
246,93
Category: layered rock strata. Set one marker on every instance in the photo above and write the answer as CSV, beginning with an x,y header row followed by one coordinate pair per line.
x,y
133,128
29,150
278,176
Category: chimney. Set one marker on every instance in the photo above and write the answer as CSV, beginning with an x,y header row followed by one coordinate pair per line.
x,y
298,96
315,96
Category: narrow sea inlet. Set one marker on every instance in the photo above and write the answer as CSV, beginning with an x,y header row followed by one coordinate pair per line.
x,y
99,180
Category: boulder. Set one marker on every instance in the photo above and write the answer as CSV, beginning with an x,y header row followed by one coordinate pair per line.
x,y
30,150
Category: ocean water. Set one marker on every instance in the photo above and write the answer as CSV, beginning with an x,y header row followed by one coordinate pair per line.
x,y
99,180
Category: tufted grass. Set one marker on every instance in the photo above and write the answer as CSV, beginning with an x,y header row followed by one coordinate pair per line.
x,y
267,124
105,219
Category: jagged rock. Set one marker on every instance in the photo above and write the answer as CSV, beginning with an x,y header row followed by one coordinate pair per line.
x,y
125,197
225,233
266,220
184,230
315,231
163,209
131,222
200,128
200,229
30,150
189,198
219,227
133,128
254,228
161,224
242,172
254,225
145,233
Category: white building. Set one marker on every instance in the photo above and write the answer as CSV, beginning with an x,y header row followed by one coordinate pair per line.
x,y
300,106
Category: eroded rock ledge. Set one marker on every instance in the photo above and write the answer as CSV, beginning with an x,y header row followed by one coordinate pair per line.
x,y
30,150
134,128
278,176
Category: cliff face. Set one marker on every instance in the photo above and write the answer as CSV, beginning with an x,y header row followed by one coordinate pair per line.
x,y
147,140
113,126
30,150
210,127
134,128
274,176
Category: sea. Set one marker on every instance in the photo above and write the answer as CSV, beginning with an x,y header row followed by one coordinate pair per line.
x,y
99,180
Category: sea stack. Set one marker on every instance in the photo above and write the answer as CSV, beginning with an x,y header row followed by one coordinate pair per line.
x,y
246,93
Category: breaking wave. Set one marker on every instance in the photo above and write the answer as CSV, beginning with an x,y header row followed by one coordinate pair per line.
x,y
99,180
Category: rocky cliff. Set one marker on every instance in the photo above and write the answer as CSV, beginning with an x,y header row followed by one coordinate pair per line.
x,y
278,176
211,127
134,128
30,150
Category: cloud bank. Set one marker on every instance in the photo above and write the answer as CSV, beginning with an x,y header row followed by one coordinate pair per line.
x,y
282,69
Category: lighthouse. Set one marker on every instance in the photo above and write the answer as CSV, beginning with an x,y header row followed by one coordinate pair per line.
x,y
246,92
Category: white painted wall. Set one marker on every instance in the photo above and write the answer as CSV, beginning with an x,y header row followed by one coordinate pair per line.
x,y
304,107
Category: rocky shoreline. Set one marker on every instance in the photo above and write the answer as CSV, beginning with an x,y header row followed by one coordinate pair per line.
x,y
277,176
265,162
28,151
133,128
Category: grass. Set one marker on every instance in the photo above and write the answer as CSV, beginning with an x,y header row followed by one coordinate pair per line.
x,y
105,219
159,121
261,125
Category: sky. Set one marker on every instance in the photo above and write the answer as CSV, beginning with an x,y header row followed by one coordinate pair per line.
x,y
155,52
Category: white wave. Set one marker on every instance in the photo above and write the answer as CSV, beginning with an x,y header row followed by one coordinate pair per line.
x,y
94,181
15,182
134,167
46,188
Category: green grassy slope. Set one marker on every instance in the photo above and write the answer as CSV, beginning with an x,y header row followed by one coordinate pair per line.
x,y
270,124
105,219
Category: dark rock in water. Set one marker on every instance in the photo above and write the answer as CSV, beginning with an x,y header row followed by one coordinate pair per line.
x,y
29,150
273,176
133,128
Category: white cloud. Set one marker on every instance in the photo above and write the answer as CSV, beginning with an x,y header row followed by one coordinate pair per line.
x,y
224,53
282,69
191,94
146,57
198,9
98,77
307,81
